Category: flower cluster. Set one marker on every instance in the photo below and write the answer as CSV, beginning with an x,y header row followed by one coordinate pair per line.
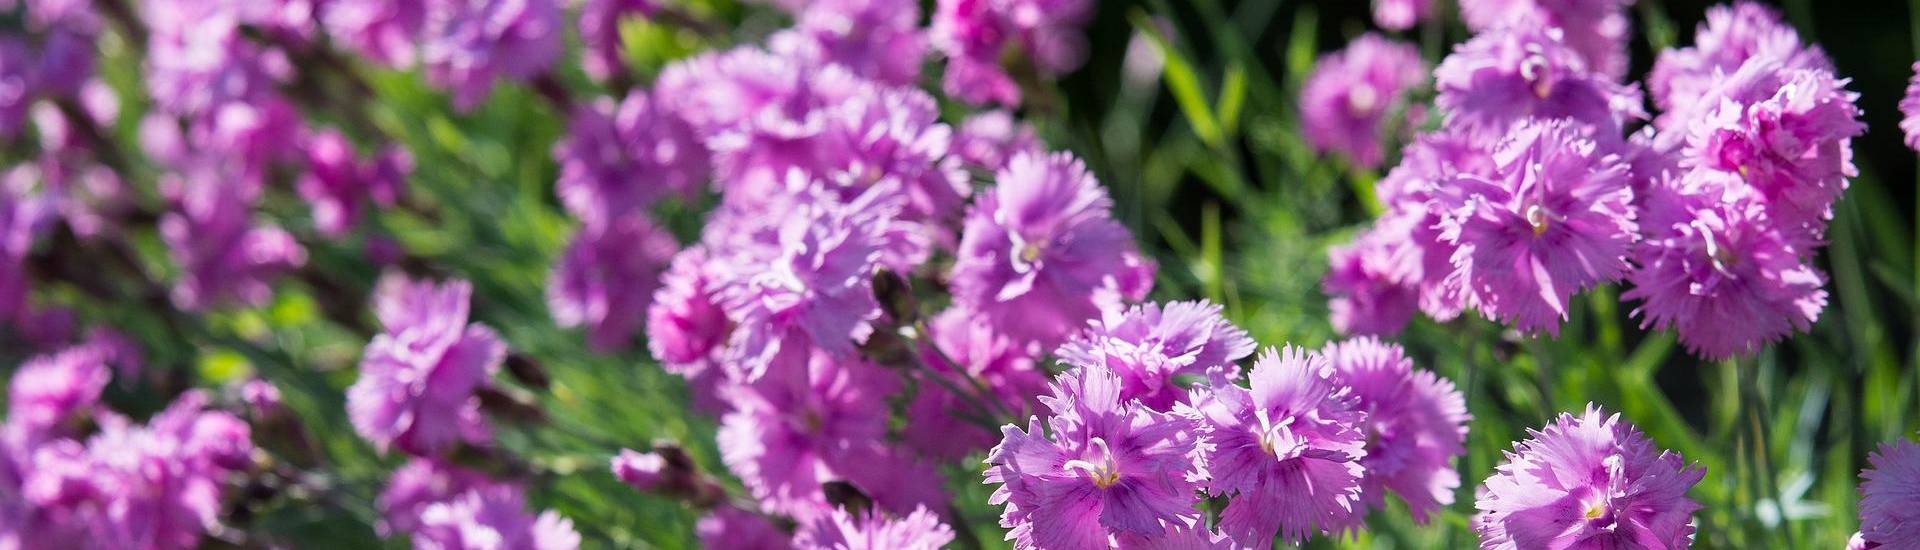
x,y
1591,481
1531,191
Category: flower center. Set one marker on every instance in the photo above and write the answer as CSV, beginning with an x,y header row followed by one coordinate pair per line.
x,y
1103,471
1362,100
1538,73
1537,217
1277,439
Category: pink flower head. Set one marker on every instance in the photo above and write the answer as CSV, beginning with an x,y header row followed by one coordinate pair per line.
x,y
1588,482
492,517
1684,80
1596,29
687,330
1348,101
468,44
1108,468
877,39
1148,345
1506,76
839,530
1887,516
1416,426
1040,253
974,34
618,159
384,31
892,137
1287,451
198,59
811,286
419,484
1008,368
605,279
50,390
600,33
729,528
989,139
211,234
1910,109
1400,15
1554,220
419,375
1723,274
337,183
1792,145
1374,281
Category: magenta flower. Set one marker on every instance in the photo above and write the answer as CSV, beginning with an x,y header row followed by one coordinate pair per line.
x,y
687,330
49,390
1400,15
419,375
920,530
1910,109
210,233
1347,103
1724,275
1375,281
24,215
600,33
1287,452
1107,468
1687,80
974,34
1007,368
800,425
1040,254
618,159
1554,220
1792,145
337,183
468,44
419,484
605,279
989,139
1596,29
386,32
198,59
1148,345
1506,76
729,528
489,518
1887,516
1588,482
893,137
810,287
1416,426
877,39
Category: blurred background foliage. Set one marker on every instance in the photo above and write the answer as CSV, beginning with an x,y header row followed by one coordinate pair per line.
x,y
1203,154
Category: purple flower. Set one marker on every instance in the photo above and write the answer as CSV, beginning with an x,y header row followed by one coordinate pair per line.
x,y
24,215
1416,426
1007,368
50,390
686,327
198,59
877,39
810,286
1596,29
1910,109
468,44
619,159
1400,15
729,528
600,33
893,138
489,518
1287,452
1723,274
1346,102
419,375
1040,254
920,530
989,139
1588,482
605,279
1554,220
974,34
336,182
382,30
1147,346
646,472
1887,516
419,484
210,233
1686,80
1109,467
1506,76
1792,144
1374,281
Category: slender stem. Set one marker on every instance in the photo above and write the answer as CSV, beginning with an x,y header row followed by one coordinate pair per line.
x,y
985,395
1762,448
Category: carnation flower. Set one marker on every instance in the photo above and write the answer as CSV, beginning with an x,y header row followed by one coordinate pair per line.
x,y
336,182
1285,452
1008,369
811,286
605,279
1732,38
1910,109
468,44
988,139
382,30
729,528
839,530
1346,104
419,375
1596,29
1588,482
1108,467
975,33
877,39
1723,274
893,137
1400,15
1791,144
1147,346
600,33
489,518
1373,281
198,59
1416,426
618,159
1506,76
687,330
1040,254
210,233
49,390
419,484
1554,220
1887,516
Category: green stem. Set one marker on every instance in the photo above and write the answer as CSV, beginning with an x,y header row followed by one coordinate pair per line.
x,y
1753,402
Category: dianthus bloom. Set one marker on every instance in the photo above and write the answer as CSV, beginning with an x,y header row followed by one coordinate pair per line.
x,y
1287,452
600,33
419,375
729,528
1108,468
490,518
810,287
225,257
619,158
1400,15
1553,220
1040,253
1416,426
1148,345
877,39
381,30
987,140
1789,137
468,44
1722,274
49,390
1373,281
419,484
1597,29
1588,482
920,530
1347,101
1008,369
687,330
1502,77
975,34
1888,518
1910,108
605,279
1745,33
337,183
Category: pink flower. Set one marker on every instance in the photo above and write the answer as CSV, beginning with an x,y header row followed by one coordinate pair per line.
x,y
1286,452
809,285
617,159
729,528
605,279
1506,76
1400,15
419,375
1910,108
1007,368
1887,516
468,44
1687,80
1590,482
385,31
420,483
1791,143
1347,103
920,530
1416,426
1147,346
1597,29
489,518
337,183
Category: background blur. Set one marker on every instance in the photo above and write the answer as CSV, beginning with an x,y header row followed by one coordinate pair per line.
x,y
1202,151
